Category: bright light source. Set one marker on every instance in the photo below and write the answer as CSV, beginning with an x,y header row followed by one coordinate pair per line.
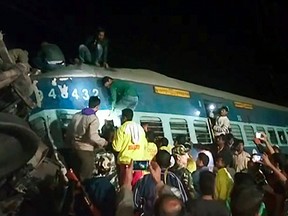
x,y
197,113
212,107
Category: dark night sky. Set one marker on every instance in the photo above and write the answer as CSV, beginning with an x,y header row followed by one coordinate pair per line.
x,y
237,47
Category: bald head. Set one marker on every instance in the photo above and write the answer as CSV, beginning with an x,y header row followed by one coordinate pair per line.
x,y
169,205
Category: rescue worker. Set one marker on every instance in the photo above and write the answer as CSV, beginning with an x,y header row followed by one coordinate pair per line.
x,y
151,148
50,57
130,139
82,134
181,156
123,95
222,125
95,51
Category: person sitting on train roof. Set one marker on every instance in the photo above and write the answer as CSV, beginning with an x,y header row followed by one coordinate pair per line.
x,y
50,57
123,95
222,125
95,50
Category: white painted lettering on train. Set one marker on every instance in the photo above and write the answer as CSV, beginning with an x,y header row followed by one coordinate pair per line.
x,y
64,91
52,93
54,82
84,94
95,92
75,94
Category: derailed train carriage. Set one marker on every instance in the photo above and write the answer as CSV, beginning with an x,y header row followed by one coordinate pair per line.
x,y
169,106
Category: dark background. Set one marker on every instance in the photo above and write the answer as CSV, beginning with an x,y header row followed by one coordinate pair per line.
x,y
235,46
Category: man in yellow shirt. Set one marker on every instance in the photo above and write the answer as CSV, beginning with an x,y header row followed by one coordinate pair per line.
x,y
164,145
224,181
130,139
151,148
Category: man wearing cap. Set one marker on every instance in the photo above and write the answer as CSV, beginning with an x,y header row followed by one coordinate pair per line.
x,y
181,156
222,125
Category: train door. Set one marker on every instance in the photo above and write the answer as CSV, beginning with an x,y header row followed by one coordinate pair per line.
x,y
212,110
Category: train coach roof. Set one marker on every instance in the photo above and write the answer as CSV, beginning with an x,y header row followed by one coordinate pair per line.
x,y
153,78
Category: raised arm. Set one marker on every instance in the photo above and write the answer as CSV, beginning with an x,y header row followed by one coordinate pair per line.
x,y
264,139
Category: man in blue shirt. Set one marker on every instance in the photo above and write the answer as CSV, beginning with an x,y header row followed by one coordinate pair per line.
x,y
201,163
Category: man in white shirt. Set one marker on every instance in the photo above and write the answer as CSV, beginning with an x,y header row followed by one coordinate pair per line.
x,y
222,125
240,157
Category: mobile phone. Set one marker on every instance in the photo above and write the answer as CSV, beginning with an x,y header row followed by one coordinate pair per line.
x,y
258,135
257,158
140,165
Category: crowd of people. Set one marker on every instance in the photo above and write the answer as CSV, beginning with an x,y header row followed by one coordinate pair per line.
x,y
221,180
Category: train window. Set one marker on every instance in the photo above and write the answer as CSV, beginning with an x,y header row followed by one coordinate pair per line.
x,y
179,127
282,136
260,129
236,131
272,136
154,124
39,127
202,131
249,132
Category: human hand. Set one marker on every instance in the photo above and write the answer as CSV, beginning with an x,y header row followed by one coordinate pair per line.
x,y
263,137
126,174
155,171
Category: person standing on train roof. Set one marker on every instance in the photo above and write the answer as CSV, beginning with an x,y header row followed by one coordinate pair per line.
x,y
82,135
95,50
123,95
130,139
222,125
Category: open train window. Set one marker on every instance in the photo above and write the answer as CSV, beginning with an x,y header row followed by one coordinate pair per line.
x,y
272,136
250,134
202,131
260,129
236,131
282,136
179,127
154,124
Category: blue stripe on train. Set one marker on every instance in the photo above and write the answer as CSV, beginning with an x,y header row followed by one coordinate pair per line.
x,y
74,94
